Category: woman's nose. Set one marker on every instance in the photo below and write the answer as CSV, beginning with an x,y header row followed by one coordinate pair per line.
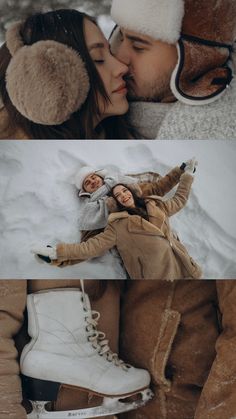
x,y
120,69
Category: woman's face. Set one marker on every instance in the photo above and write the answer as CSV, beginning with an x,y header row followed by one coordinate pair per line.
x,y
110,70
123,196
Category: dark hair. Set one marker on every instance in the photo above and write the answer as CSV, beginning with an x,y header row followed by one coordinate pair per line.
x,y
140,205
67,27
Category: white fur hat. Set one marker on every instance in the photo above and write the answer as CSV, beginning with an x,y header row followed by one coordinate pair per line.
x,y
160,19
84,172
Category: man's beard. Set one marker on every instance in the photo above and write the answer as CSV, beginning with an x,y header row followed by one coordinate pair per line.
x,y
155,91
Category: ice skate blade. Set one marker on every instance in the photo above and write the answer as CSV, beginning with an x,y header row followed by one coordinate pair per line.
x,y
110,406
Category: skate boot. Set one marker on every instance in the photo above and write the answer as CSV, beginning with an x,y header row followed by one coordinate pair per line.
x,y
67,349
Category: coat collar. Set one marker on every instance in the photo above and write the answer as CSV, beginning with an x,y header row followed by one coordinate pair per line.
x,y
136,224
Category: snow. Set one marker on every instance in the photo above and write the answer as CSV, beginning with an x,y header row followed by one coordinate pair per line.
x,y
39,204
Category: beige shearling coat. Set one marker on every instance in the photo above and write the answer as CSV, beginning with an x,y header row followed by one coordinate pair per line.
x,y
148,249
184,333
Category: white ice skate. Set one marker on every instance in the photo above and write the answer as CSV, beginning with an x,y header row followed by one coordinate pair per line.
x,y
67,348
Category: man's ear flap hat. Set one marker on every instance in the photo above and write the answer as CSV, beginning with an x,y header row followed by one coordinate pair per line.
x,y
205,47
204,32
46,81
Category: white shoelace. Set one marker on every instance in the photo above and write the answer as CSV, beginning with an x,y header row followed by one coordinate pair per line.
x,y
99,341
97,338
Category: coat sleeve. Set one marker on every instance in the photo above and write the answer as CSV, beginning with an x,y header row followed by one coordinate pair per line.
x,y
12,305
162,186
218,397
179,200
96,246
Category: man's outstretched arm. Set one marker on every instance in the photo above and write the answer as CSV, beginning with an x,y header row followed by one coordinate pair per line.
x,y
163,185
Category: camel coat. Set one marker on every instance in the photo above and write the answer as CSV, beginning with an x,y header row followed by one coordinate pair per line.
x,y
148,249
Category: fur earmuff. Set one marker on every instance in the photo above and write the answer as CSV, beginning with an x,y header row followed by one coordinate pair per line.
x,y
46,81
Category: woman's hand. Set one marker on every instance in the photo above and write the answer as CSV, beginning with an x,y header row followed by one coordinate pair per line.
x,y
45,253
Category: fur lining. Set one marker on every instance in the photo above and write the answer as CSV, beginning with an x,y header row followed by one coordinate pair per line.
x,y
159,19
13,38
47,82
191,100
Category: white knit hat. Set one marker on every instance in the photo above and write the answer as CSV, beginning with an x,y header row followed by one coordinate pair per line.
x,y
160,19
84,172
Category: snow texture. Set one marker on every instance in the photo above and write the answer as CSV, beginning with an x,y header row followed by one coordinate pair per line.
x,y
39,204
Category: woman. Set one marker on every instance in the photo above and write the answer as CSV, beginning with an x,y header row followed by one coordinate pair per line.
x,y
58,79
140,230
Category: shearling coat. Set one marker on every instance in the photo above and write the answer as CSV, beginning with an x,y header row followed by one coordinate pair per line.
x,y
148,249
12,305
175,330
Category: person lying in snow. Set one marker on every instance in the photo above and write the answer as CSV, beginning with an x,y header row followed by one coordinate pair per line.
x,y
93,188
141,233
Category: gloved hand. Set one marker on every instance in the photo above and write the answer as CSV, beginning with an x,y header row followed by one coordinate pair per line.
x,y
45,253
190,166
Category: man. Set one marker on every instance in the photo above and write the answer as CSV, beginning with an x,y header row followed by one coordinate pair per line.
x,y
179,55
94,186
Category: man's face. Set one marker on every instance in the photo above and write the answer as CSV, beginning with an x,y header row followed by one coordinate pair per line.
x,y
92,183
150,65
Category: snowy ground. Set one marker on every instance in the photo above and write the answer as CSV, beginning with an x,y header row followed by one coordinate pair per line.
x,y
39,202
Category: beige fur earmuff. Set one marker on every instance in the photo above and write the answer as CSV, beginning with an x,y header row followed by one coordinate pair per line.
x,y
46,81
